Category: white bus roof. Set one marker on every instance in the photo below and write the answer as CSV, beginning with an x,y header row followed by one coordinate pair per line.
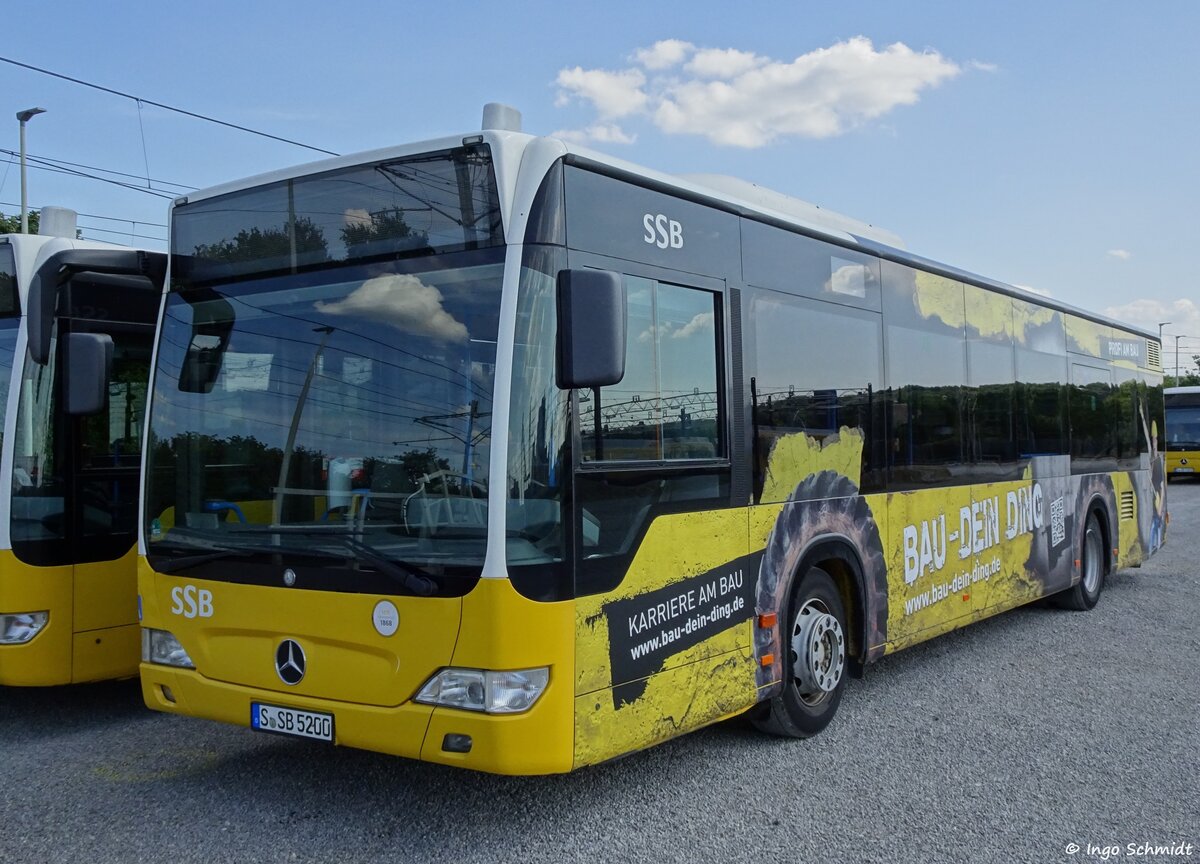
x,y
32,250
738,196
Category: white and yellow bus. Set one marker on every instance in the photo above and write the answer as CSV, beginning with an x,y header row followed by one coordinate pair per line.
x,y
76,332
1183,431
498,452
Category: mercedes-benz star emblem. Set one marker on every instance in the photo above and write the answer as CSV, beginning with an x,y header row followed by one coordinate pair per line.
x,y
289,577
289,662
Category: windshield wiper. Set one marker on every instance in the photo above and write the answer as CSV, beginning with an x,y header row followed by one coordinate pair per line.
x,y
215,553
177,564
410,576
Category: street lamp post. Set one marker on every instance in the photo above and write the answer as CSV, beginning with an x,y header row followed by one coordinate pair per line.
x,y
24,117
1177,338
1161,325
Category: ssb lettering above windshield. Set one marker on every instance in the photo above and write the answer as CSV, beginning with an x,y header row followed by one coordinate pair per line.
x,y
662,231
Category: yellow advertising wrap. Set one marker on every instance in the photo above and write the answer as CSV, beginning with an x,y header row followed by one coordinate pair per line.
x,y
688,578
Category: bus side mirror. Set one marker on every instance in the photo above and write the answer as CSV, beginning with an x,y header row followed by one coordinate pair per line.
x,y
40,304
89,368
591,329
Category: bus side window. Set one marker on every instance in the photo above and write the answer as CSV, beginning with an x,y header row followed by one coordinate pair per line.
x,y
667,405
818,369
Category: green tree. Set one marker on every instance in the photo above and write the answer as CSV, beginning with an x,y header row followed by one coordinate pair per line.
x,y
384,225
257,244
12,224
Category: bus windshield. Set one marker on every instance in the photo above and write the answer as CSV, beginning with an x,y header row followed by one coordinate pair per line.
x,y
330,407
1183,428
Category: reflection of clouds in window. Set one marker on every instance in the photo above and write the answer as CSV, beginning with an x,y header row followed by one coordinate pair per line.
x,y
650,332
847,277
701,323
403,302
357,216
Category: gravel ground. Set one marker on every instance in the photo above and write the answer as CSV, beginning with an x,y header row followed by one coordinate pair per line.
x,y
1007,741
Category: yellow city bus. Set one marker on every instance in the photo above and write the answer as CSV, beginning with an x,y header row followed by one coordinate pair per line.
x,y
1183,431
497,452
76,332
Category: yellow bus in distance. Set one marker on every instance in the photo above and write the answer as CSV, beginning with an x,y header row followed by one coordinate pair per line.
x,y
1183,431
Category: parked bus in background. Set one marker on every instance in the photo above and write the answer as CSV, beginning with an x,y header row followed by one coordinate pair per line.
x,y
498,452
1183,431
76,332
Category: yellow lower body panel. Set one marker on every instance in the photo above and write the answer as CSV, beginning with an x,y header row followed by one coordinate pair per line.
x,y
536,742
499,629
45,660
92,634
667,704
103,654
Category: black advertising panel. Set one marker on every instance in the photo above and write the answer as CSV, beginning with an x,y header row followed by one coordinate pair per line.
x,y
646,630
610,217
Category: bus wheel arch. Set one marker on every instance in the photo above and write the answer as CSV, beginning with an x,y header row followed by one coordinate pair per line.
x,y
839,559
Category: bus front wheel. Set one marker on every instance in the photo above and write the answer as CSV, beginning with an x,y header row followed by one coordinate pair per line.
x,y
814,661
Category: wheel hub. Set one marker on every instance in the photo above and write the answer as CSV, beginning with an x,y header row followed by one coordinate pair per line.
x,y
1093,555
818,650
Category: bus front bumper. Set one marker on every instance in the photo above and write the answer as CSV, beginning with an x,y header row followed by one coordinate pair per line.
x,y
538,741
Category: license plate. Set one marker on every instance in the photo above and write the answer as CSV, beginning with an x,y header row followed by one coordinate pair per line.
x,y
1184,470
291,721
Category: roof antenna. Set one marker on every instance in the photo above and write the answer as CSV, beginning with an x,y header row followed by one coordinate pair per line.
x,y
501,117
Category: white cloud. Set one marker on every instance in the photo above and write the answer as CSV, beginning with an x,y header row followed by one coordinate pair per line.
x,y
1041,292
1182,316
664,54
599,133
1122,254
612,94
723,63
404,302
980,66
741,99
699,324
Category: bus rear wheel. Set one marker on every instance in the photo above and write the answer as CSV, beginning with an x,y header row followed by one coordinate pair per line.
x,y
814,661
1092,563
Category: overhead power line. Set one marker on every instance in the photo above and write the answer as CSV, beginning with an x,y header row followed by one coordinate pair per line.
x,y
95,216
90,228
58,163
54,169
141,101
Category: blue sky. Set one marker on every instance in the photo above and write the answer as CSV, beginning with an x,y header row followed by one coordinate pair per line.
x,y
1050,145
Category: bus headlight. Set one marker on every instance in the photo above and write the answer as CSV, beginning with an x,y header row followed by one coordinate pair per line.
x,y
485,690
19,627
161,647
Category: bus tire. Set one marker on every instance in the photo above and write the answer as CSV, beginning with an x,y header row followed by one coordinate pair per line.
x,y
1093,563
815,675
